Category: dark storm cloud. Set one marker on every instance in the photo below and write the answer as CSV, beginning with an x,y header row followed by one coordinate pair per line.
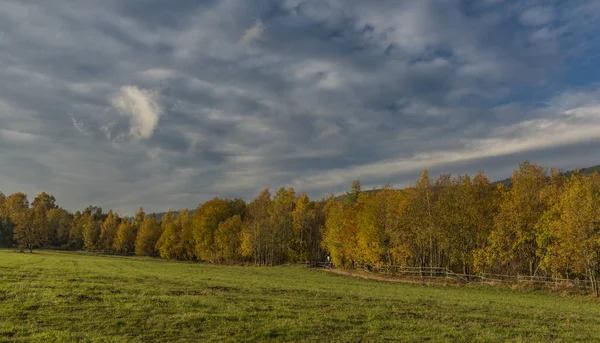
x,y
167,104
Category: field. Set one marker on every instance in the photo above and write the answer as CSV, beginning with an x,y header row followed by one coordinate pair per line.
x,y
70,297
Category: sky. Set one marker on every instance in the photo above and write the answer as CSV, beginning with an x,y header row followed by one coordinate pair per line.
x,y
166,104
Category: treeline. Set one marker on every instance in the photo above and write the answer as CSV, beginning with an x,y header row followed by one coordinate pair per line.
x,y
544,224
270,230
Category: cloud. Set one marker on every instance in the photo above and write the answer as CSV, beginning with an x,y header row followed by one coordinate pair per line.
x,y
537,16
107,130
79,126
254,33
158,74
17,136
141,106
527,136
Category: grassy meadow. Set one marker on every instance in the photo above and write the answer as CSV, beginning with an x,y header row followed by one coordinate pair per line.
x,y
71,297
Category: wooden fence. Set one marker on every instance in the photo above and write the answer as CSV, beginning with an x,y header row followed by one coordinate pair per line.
x,y
441,273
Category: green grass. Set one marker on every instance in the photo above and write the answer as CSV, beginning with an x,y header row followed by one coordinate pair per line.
x,y
69,297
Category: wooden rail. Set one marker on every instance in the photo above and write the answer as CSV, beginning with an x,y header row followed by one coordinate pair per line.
x,y
445,273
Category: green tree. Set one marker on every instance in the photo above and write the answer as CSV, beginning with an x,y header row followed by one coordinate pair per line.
x,y
352,195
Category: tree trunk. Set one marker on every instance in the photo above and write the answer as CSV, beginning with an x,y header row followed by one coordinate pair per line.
x,y
593,281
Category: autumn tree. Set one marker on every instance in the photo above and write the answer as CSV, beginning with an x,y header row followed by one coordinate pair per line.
x,y
91,231
108,231
370,231
167,218
420,221
176,240
545,233
341,232
576,229
205,222
380,238
187,243
228,239
169,243
40,207
255,229
513,240
317,253
139,217
95,212
481,206
303,223
280,232
76,231
148,235
16,208
44,200
5,225
333,237
124,242
59,226
398,230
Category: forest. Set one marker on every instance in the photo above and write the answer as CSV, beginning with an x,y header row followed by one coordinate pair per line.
x,y
542,223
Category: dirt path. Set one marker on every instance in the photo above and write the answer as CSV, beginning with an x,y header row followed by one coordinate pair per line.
x,y
361,275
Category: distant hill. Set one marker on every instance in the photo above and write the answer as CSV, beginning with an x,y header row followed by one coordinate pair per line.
x,y
589,170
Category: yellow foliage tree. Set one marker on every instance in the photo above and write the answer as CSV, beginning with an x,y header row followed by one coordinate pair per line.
x,y
575,227
227,239
513,240
124,241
